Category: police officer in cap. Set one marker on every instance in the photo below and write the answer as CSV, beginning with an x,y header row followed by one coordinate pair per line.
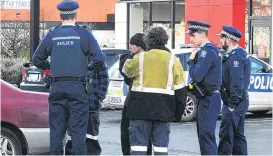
x,y
236,79
70,48
205,72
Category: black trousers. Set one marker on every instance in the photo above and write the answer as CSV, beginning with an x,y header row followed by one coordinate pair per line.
x,y
124,130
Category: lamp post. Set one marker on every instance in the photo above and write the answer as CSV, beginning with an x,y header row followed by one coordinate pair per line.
x,y
34,26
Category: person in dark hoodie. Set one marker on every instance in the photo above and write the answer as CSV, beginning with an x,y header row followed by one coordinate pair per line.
x,y
98,90
137,44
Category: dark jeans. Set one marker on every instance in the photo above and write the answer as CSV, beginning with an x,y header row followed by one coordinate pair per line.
x,y
124,129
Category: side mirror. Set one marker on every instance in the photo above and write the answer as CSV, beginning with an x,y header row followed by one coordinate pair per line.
x,y
267,69
28,64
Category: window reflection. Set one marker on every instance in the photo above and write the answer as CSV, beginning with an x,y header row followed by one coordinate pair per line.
x,y
261,42
261,7
161,16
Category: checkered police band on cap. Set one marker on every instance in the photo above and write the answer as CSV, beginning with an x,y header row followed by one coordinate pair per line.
x,y
198,27
68,12
229,35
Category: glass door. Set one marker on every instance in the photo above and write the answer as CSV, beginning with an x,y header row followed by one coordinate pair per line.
x,y
260,43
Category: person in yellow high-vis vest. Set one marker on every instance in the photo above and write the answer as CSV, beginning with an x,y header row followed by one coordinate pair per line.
x,y
158,94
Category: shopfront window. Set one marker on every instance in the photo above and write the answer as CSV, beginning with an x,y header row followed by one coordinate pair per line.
x,y
261,7
261,42
161,16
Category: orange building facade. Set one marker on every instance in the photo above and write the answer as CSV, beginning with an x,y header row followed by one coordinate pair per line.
x,y
90,11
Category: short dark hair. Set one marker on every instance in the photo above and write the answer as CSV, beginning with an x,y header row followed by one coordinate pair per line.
x,y
139,40
157,36
203,31
68,16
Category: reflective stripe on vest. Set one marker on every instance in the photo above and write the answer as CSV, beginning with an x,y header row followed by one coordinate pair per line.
x,y
168,90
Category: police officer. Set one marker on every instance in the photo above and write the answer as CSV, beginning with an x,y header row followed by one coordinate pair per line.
x,y
205,72
137,45
236,79
158,87
98,89
70,48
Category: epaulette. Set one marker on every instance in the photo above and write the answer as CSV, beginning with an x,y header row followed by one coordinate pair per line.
x,y
51,29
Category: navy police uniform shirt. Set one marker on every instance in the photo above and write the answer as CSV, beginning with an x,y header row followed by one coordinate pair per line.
x,y
71,49
207,67
236,74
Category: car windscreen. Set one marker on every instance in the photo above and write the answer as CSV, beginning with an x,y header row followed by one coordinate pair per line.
x,y
115,66
111,59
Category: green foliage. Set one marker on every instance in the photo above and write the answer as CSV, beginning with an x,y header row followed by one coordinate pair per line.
x,y
11,69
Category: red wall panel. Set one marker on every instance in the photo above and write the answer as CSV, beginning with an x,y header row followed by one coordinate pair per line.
x,y
217,13
196,2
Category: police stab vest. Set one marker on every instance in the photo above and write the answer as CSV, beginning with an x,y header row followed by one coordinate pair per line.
x,y
67,57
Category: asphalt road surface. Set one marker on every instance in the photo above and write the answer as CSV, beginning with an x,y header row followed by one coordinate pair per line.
x,y
183,139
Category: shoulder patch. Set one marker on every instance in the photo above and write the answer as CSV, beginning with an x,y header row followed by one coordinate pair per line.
x,y
235,64
203,53
51,29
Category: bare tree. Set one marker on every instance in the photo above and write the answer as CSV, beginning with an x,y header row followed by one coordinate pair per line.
x,y
13,41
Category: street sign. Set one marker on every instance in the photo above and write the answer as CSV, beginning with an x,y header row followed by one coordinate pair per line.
x,y
15,4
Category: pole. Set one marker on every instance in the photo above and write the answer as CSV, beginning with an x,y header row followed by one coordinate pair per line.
x,y
150,14
173,25
34,26
128,25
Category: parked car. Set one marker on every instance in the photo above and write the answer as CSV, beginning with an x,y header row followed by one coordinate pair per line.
x,y
34,78
24,121
260,89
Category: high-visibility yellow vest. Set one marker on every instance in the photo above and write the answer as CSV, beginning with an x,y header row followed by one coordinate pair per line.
x,y
155,71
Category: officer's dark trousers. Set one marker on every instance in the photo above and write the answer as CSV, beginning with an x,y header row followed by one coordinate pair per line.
x,y
208,110
92,143
68,109
232,137
141,131
124,131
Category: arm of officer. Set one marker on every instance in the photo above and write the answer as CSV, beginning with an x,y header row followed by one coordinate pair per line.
x,y
39,58
200,69
103,82
96,56
122,60
131,67
180,90
236,67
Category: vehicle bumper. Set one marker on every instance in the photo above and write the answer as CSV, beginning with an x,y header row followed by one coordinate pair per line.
x,y
259,107
37,139
113,105
33,87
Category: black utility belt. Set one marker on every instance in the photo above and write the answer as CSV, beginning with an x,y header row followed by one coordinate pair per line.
x,y
200,91
78,79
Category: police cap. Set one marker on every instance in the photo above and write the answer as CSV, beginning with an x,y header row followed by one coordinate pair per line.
x,y
195,26
230,32
68,7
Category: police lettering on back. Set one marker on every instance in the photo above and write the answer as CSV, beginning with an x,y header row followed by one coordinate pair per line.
x,y
65,43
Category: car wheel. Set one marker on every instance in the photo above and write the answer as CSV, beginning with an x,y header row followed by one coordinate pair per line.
x,y
10,144
260,112
190,110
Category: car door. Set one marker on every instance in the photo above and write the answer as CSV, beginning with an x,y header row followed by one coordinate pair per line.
x,y
261,84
